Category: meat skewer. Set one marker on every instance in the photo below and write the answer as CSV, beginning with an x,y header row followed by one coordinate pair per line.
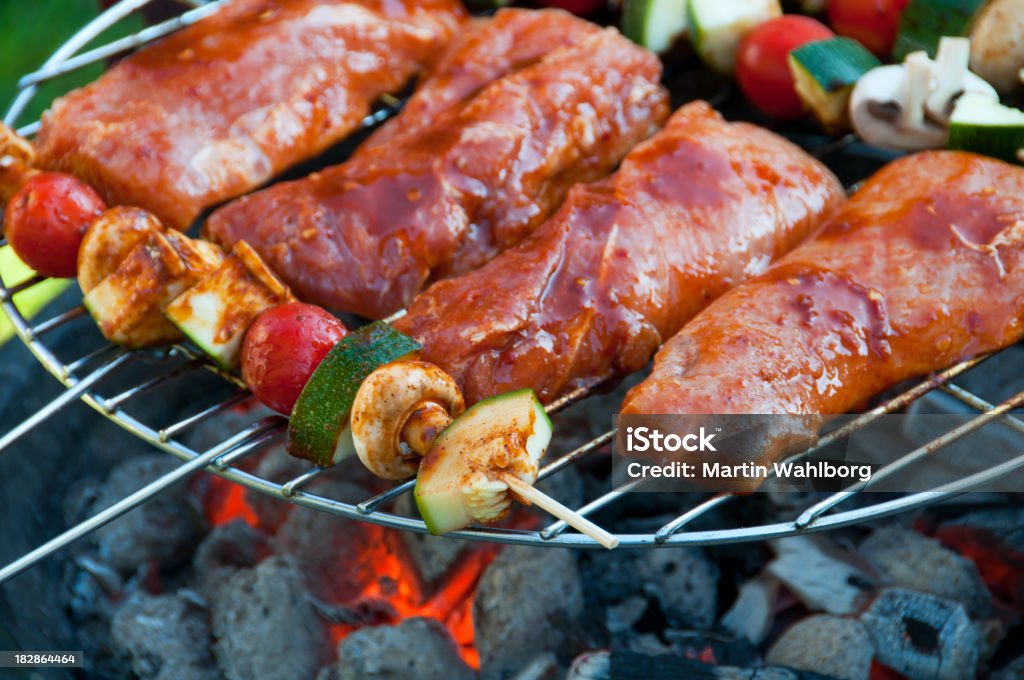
x,y
367,235
626,261
219,107
922,268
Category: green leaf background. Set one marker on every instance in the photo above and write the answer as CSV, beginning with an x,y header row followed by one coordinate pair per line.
x,y
30,30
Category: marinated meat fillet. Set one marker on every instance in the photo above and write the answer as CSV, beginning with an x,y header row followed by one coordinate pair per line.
x,y
626,261
366,236
218,108
922,268
485,50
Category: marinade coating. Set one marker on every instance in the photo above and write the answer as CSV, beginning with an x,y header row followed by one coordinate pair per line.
x,y
217,108
367,235
626,261
485,50
922,268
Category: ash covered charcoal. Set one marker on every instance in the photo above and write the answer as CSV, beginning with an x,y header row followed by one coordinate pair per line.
x,y
681,584
164,530
415,648
226,549
163,637
565,486
330,551
821,576
1011,671
626,665
923,636
594,665
432,556
752,613
906,558
998,377
265,626
276,466
528,602
831,645
226,424
994,538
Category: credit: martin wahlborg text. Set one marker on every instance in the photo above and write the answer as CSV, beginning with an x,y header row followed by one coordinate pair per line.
x,y
646,440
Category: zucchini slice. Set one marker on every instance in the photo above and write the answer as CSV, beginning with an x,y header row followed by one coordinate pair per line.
x,y
987,127
924,22
109,239
654,24
824,73
509,432
128,304
216,312
319,427
718,26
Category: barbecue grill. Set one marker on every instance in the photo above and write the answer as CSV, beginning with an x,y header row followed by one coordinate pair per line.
x,y
82,375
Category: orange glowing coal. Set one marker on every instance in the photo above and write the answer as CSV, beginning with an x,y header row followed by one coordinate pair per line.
x,y
395,586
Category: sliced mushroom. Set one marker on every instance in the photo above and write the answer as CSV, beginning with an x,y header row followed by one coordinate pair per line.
x,y
952,80
16,159
109,240
907,106
398,412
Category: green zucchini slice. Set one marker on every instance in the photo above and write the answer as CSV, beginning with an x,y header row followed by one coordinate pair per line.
x,y
987,127
924,22
319,427
216,312
654,24
824,74
455,486
128,304
718,26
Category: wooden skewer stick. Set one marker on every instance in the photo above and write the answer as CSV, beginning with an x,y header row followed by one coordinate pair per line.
x,y
566,514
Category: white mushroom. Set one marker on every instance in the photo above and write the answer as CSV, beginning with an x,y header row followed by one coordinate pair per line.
x,y
16,159
907,106
997,44
952,79
398,412
109,240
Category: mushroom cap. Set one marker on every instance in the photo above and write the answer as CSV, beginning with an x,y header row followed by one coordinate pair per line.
x,y
383,405
876,107
997,47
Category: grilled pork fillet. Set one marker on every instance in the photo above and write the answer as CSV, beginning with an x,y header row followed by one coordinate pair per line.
x,y
626,261
366,236
218,108
485,50
923,267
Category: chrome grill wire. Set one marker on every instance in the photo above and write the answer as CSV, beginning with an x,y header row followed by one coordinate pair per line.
x,y
182,360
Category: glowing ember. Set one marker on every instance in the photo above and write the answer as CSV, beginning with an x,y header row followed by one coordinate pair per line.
x,y
392,579
225,502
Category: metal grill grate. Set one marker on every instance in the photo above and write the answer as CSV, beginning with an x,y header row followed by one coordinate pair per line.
x,y
81,375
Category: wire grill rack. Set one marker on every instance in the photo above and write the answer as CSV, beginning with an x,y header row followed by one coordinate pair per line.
x,y
82,375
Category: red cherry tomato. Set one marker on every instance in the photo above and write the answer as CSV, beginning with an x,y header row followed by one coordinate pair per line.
x,y
45,220
762,63
580,8
872,23
283,347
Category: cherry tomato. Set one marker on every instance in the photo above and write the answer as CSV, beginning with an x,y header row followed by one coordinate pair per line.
x,y
45,220
283,347
580,8
873,23
762,63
